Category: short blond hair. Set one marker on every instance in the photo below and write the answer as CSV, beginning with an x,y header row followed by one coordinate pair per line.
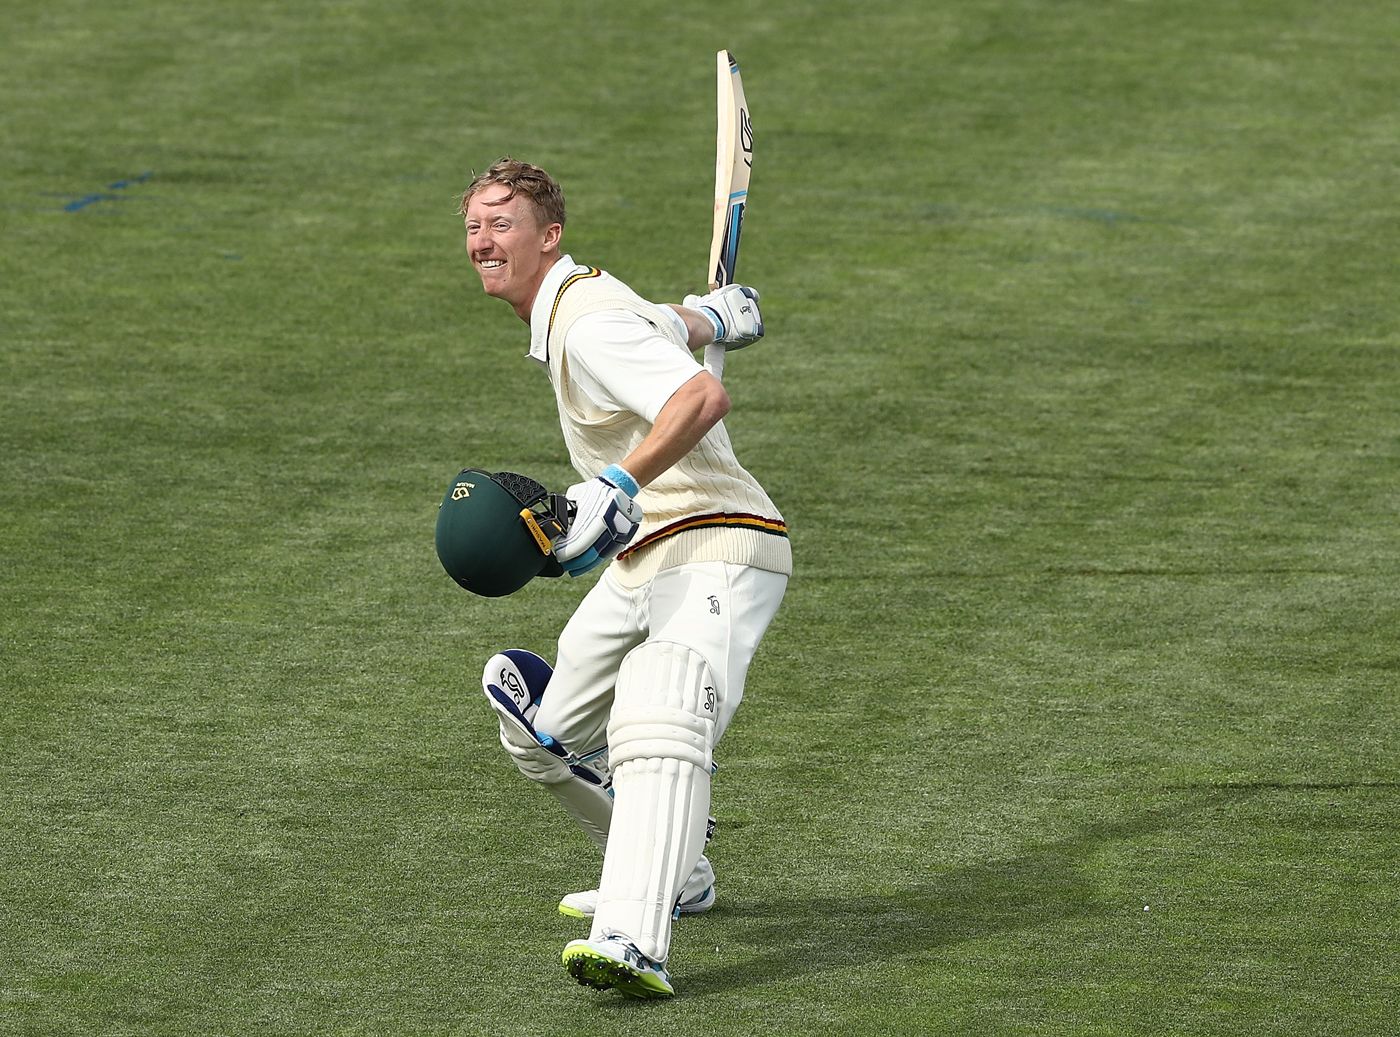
x,y
543,190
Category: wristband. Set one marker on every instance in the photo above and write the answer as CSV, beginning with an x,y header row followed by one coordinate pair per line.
x,y
621,478
714,318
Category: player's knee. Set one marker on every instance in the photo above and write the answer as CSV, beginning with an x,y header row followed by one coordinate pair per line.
x,y
665,706
514,682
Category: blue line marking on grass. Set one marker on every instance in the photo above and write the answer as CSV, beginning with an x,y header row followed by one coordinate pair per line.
x,y
119,185
1108,216
134,180
87,200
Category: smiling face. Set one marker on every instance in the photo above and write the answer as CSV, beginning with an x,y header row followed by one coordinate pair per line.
x,y
511,245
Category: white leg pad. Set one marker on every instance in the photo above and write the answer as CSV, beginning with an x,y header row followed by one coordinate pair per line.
x,y
588,804
660,738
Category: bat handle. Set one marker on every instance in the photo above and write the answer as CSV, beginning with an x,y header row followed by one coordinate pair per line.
x,y
715,352
714,360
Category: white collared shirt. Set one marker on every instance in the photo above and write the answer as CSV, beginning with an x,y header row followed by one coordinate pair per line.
x,y
544,303
617,358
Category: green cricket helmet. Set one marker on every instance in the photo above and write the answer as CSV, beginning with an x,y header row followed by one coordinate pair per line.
x,y
495,533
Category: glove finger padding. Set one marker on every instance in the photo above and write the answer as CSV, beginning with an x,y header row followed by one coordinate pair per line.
x,y
605,519
734,312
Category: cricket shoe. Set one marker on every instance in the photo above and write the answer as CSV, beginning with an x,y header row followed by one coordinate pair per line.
x,y
615,963
585,904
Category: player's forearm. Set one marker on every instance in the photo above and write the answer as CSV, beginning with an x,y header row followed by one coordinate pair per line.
x,y
731,313
698,327
693,409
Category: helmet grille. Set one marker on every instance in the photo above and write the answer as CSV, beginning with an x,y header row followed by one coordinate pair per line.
x,y
521,487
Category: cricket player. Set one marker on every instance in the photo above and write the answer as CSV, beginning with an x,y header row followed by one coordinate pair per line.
x,y
695,560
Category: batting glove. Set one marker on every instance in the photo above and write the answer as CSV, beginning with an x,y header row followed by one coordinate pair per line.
x,y
605,518
733,310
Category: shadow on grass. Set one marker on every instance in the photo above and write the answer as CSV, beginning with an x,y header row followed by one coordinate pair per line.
x,y
1037,888
1042,886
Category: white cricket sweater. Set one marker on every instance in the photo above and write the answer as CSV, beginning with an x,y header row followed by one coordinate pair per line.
x,y
706,507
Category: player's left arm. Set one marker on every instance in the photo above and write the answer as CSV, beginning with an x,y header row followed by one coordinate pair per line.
x,y
693,409
699,331
729,316
682,400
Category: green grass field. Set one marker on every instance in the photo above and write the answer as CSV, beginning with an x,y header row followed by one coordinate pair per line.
x,y
1081,393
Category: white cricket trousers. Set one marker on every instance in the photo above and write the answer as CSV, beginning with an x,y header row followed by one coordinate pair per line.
x,y
718,609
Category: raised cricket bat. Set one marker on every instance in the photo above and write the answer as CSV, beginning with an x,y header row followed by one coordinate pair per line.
x,y
733,163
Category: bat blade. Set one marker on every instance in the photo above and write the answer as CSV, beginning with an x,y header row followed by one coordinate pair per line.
x,y
733,165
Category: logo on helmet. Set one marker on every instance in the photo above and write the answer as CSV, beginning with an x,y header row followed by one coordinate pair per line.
x,y
480,538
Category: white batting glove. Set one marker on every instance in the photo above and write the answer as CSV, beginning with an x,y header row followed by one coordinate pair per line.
x,y
605,518
733,310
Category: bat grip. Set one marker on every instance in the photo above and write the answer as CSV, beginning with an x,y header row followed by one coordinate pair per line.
x,y
714,360
715,351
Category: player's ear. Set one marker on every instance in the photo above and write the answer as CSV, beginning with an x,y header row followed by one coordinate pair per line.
x,y
552,234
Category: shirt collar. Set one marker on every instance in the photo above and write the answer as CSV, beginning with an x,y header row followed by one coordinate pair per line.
x,y
544,306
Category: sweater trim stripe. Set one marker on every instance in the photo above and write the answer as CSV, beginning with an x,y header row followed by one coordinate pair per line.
x,y
569,282
758,523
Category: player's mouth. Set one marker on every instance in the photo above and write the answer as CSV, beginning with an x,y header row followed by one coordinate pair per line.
x,y
491,264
